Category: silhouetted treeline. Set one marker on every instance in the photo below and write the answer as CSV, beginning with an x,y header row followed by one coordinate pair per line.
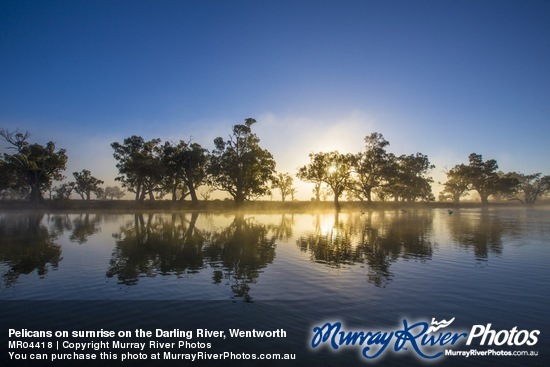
x,y
240,167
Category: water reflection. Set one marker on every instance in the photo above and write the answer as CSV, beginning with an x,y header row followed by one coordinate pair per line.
x,y
481,232
80,226
332,242
84,226
376,239
234,249
27,246
239,252
154,244
285,229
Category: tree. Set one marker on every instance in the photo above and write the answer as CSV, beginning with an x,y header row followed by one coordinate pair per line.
x,y
370,166
407,178
530,187
63,191
338,173
458,182
240,166
85,184
113,192
33,166
483,176
333,169
507,185
184,168
139,165
10,185
314,172
206,192
325,193
292,192
283,182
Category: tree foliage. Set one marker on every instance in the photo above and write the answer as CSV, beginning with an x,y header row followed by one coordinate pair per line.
x,y
407,178
370,171
113,192
31,166
332,168
370,167
284,182
139,165
457,184
240,166
85,184
530,187
184,168
338,173
481,176
314,172
63,191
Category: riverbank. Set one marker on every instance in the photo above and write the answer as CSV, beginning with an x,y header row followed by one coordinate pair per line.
x,y
256,206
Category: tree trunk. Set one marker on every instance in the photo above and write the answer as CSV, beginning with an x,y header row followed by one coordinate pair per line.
x,y
193,194
336,202
484,198
192,191
175,193
35,196
239,198
142,195
138,191
368,192
317,192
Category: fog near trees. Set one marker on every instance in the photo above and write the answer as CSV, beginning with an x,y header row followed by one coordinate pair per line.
x,y
241,168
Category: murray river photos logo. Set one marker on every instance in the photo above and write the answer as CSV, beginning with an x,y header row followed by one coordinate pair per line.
x,y
426,340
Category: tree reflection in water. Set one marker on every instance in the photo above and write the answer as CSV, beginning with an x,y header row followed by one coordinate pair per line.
x,y
481,231
236,253
284,230
239,252
154,244
85,225
376,239
27,245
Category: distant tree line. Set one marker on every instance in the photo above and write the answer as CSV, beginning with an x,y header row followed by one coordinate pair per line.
x,y
240,167
484,178
373,171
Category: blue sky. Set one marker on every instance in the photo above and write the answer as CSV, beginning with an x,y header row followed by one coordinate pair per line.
x,y
445,78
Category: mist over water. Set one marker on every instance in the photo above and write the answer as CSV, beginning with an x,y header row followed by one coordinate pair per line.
x,y
373,268
258,256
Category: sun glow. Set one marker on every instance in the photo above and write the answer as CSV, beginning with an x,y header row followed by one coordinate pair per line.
x,y
328,227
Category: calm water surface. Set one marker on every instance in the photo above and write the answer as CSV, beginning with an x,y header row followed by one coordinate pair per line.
x,y
479,265
352,256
